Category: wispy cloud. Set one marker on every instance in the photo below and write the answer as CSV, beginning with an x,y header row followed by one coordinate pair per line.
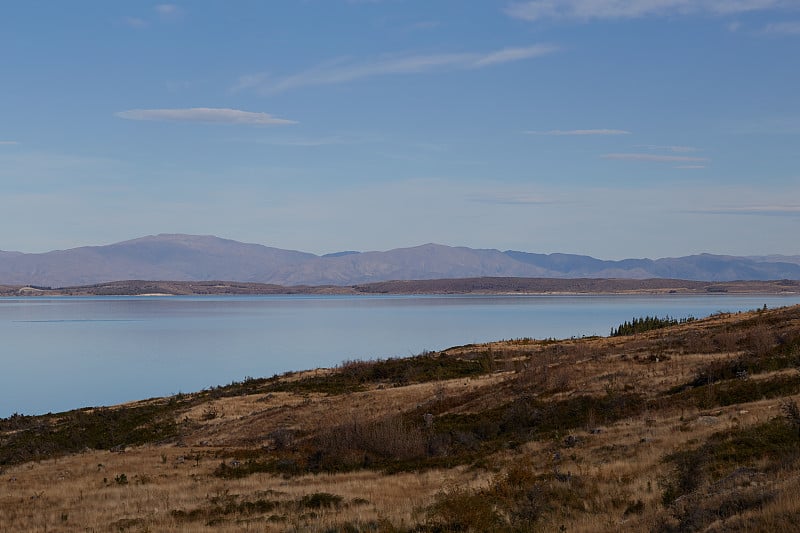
x,y
580,132
669,148
626,9
163,12
343,71
783,28
690,166
8,143
136,22
656,158
751,210
168,11
203,114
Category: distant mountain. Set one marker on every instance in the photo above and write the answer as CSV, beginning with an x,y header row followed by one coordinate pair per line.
x,y
160,257
202,258
795,259
703,267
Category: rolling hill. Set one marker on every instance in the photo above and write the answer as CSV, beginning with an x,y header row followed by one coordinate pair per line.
x,y
200,258
663,427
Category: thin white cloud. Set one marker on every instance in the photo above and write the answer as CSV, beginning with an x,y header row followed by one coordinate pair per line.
x,y
168,10
508,55
164,12
136,22
250,81
204,114
669,148
690,166
783,28
627,9
8,143
342,71
751,210
580,132
656,158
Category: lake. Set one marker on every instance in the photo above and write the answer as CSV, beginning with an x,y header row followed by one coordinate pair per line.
x,y
64,353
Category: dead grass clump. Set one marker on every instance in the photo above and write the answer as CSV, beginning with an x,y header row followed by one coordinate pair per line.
x,y
697,512
727,340
224,506
385,443
766,447
360,444
515,501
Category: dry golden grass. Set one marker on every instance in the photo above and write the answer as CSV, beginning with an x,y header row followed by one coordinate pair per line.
x,y
597,476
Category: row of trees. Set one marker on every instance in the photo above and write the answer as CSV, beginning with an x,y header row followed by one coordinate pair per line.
x,y
647,323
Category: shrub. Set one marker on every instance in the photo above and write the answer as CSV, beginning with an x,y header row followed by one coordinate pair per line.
x,y
648,323
320,500
100,428
775,442
735,391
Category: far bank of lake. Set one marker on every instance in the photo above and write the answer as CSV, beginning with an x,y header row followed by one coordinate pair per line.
x,y
64,353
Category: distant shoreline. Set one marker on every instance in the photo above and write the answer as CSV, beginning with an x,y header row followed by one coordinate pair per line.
x,y
484,285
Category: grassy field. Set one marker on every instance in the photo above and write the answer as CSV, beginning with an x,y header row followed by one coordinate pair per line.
x,y
688,427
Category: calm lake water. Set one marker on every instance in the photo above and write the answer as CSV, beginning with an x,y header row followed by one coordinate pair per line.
x,y
64,353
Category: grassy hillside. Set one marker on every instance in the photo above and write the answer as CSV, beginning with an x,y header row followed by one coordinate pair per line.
x,y
689,427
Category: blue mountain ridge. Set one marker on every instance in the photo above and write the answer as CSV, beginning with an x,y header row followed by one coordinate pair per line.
x,y
179,257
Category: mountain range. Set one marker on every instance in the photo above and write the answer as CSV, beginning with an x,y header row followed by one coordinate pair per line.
x,y
203,257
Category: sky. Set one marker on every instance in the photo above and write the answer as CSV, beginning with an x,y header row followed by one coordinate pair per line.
x,y
612,128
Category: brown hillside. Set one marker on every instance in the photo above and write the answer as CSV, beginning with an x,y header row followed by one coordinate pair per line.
x,y
692,427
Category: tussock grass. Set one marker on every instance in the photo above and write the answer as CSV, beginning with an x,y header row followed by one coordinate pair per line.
x,y
690,427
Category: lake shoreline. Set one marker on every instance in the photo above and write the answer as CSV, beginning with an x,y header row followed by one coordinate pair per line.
x,y
498,420
478,286
109,346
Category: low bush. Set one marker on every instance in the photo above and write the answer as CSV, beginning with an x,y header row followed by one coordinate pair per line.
x,y
320,500
784,354
514,502
732,392
354,376
100,428
768,446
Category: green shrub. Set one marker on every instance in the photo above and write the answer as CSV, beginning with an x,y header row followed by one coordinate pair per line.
x,y
100,428
647,323
735,391
320,500
775,442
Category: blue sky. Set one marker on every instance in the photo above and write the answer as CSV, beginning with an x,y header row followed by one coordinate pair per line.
x,y
614,128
